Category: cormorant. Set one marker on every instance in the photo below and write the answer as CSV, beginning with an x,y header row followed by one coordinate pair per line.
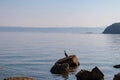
x,y
65,53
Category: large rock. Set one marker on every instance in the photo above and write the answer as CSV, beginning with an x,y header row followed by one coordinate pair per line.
x,y
117,66
113,29
19,78
65,65
117,77
95,74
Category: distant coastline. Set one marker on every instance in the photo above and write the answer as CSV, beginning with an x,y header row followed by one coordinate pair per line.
x,y
112,29
53,29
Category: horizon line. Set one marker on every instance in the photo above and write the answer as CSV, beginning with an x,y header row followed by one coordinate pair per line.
x,y
54,27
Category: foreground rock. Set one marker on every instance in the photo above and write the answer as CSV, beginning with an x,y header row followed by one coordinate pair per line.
x,y
95,74
117,77
19,78
65,65
113,29
117,66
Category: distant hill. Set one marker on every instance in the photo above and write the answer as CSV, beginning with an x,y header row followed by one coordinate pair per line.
x,y
113,29
52,30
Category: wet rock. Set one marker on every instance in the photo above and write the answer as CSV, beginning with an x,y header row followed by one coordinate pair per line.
x,y
117,77
65,65
19,78
117,66
95,74
60,68
84,75
72,60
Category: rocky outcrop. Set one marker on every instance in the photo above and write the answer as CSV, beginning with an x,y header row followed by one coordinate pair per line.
x,y
19,78
117,66
65,65
117,77
95,74
113,29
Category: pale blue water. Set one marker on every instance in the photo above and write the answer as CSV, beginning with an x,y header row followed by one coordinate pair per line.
x,y
33,54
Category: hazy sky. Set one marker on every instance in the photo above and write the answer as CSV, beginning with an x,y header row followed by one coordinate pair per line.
x,y
59,13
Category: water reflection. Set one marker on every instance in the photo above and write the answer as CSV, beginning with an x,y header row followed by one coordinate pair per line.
x,y
113,41
113,49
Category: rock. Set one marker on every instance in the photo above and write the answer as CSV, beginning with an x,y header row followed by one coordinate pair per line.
x,y
84,75
64,65
72,60
95,74
113,29
117,77
60,68
117,66
19,78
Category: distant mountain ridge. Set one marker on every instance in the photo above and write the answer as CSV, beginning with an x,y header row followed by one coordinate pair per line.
x,y
52,29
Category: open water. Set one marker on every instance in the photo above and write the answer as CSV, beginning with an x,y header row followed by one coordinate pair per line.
x,y
32,54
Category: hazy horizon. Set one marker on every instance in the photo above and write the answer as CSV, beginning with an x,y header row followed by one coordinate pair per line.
x,y
56,26
87,30
59,13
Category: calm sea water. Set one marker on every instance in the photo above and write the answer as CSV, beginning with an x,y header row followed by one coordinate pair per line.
x,y
32,54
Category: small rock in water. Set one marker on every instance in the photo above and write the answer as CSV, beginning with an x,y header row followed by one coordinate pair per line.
x,y
19,78
84,75
117,77
117,66
95,74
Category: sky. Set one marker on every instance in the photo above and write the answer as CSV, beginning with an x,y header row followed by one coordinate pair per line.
x,y
59,13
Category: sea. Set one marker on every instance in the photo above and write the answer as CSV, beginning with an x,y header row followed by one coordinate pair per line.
x,y
32,54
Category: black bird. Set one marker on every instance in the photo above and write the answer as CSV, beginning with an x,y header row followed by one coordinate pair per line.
x,y
65,53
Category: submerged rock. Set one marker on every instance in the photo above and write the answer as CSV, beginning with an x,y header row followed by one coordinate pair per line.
x,y
113,29
95,74
65,65
19,78
117,66
117,77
